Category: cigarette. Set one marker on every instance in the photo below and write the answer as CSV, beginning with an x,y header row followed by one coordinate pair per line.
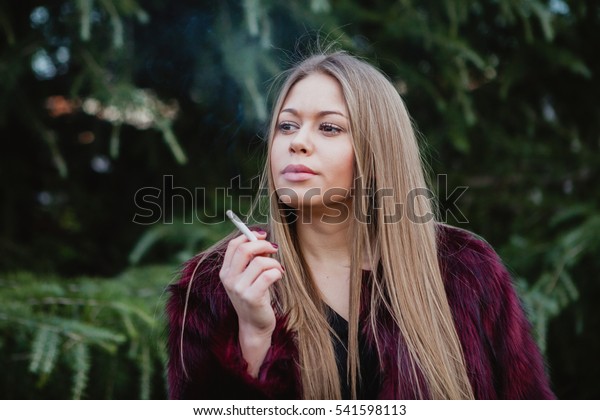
x,y
241,226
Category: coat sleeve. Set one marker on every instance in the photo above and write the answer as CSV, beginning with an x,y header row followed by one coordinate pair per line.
x,y
517,366
205,359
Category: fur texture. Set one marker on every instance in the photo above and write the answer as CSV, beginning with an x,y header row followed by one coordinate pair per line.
x,y
502,359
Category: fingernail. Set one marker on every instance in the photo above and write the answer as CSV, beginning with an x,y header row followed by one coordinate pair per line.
x,y
275,245
261,232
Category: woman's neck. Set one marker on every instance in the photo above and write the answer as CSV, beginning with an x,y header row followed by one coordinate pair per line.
x,y
324,242
326,248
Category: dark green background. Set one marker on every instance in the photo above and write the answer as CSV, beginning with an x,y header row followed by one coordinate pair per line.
x,y
504,95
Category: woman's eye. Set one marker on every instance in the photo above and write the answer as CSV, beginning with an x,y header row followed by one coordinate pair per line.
x,y
329,128
286,126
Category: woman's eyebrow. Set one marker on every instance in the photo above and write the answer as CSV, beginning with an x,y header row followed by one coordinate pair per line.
x,y
319,114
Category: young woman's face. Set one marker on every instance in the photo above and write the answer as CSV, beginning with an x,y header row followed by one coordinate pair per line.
x,y
312,155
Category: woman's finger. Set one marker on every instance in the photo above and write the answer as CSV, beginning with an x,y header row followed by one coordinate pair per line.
x,y
245,252
260,287
232,247
257,266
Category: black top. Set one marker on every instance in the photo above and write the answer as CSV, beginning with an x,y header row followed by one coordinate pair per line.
x,y
369,382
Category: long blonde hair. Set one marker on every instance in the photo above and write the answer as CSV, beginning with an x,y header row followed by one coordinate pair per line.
x,y
407,283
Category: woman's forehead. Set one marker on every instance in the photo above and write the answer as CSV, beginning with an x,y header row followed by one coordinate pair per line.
x,y
317,92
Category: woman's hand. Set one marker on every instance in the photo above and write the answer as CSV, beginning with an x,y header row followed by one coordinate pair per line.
x,y
247,273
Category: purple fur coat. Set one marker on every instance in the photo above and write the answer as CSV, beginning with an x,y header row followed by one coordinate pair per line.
x,y
503,362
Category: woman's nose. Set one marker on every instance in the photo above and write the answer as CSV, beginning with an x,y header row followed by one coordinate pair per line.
x,y
301,143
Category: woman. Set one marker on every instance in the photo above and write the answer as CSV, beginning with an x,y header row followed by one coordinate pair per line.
x,y
358,293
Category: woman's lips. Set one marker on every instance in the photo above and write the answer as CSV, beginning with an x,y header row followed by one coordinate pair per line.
x,y
297,173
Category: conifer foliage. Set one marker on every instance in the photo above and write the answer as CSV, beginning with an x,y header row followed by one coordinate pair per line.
x,y
53,331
